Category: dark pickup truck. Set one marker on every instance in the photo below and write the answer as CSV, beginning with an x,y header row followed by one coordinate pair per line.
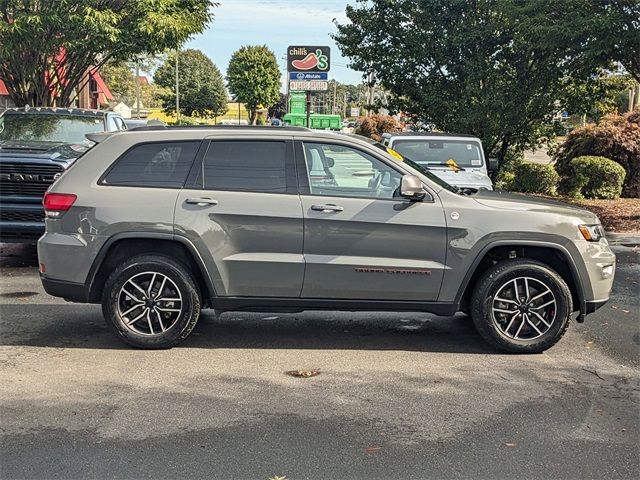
x,y
36,146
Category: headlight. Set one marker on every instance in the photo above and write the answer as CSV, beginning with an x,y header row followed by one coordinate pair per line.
x,y
591,233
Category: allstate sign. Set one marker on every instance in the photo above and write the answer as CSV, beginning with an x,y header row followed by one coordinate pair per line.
x,y
308,76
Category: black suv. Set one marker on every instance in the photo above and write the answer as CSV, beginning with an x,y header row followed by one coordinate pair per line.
x,y
36,146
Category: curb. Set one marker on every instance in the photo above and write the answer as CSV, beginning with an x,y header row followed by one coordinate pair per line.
x,y
629,239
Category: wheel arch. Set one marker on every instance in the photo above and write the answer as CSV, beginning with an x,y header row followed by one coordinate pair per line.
x,y
554,255
127,244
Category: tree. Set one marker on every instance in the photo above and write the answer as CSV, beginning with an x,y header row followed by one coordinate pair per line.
x,y
279,110
498,69
609,30
201,87
121,80
46,48
253,78
375,125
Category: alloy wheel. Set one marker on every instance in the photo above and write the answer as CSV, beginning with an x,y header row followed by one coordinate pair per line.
x,y
524,308
149,303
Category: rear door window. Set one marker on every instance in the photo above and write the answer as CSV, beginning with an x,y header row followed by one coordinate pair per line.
x,y
251,166
154,165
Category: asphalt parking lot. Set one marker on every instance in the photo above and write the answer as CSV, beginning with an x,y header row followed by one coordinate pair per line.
x,y
398,395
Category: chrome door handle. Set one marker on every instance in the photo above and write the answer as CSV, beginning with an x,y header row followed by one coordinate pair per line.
x,y
201,201
330,207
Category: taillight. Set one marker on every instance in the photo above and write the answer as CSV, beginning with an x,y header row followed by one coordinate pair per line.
x,y
55,204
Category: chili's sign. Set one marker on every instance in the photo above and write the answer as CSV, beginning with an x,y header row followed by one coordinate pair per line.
x,y
308,59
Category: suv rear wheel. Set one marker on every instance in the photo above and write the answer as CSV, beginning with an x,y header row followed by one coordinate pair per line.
x,y
521,306
151,302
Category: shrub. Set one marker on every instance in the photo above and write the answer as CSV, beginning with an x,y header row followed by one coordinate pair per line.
x,y
616,137
534,178
595,177
375,125
505,181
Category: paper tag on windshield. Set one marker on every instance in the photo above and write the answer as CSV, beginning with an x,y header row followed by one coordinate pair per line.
x,y
476,163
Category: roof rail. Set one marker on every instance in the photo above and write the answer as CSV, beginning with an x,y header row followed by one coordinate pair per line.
x,y
216,127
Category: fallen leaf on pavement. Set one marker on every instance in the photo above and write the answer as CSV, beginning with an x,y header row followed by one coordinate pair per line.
x,y
303,373
372,449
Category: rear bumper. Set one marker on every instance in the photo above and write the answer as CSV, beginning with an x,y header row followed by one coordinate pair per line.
x,y
74,292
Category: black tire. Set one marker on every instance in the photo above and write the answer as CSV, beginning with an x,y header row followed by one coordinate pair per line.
x,y
492,329
182,281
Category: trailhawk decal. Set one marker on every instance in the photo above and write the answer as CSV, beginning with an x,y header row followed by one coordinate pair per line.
x,y
400,271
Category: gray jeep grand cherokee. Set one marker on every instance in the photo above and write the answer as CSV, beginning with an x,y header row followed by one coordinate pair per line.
x,y
158,223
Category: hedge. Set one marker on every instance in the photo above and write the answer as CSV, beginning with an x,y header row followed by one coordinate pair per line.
x,y
594,177
531,178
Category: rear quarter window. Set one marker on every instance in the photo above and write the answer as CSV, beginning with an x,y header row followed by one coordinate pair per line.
x,y
163,164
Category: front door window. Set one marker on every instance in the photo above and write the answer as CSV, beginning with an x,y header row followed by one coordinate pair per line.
x,y
336,170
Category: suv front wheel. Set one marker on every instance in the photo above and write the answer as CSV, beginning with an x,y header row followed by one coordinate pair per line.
x,y
151,302
521,306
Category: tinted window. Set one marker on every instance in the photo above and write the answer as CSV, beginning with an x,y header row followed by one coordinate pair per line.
x,y
335,170
154,165
254,166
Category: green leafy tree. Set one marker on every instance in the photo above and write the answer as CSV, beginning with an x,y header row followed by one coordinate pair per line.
x,y
607,30
253,78
46,47
120,78
497,69
201,87
121,81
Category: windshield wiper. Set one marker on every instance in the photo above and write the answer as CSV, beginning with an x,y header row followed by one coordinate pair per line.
x,y
443,164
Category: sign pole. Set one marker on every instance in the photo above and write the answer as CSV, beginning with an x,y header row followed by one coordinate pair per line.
x,y
308,108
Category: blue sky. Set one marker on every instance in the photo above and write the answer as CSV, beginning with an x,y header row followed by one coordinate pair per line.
x,y
277,24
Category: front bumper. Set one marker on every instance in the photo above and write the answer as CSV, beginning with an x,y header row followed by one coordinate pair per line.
x,y
21,219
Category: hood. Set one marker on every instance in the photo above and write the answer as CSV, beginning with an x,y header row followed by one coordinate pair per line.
x,y
463,178
517,201
56,151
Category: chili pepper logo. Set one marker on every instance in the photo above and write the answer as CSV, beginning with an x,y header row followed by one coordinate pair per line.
x,y
314,60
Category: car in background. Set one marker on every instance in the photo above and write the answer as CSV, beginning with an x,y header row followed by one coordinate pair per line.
x,y
457,159
132,123
36,146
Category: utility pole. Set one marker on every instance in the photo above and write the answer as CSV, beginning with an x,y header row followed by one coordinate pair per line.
x,y
137,88
335,93
370,94
177,90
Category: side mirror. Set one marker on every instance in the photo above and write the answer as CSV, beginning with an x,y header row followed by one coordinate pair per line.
x,y
493,165
330,162
411,188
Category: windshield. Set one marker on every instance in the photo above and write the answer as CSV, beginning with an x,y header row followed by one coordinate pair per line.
x,y
399,157
466,153
28,127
